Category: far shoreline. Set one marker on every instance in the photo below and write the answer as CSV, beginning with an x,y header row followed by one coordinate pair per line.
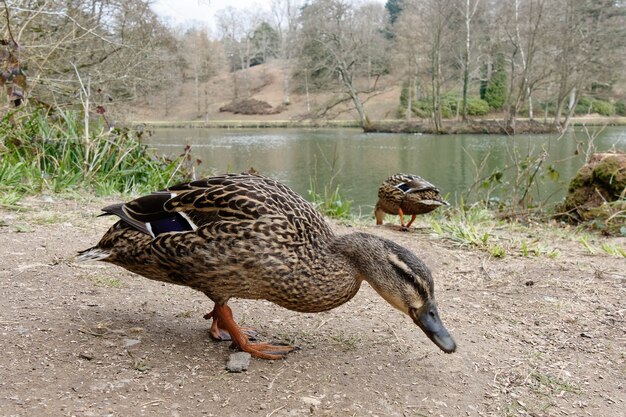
x,y
475,126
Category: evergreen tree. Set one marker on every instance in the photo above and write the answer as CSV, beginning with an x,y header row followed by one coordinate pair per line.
x,y
266,43
394,8
496,90
484,81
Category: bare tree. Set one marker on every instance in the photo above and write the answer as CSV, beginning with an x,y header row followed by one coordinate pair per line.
x,y
590,49
407,54
525,27
437,29
468,14
285,15
236,27
116,47
335,43
198,54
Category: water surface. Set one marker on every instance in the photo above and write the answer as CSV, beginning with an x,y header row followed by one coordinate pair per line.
x,y
358,162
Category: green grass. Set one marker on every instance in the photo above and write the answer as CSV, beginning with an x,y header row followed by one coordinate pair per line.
x,y
347,342
471,226
477,227
613,250
330,202
535,248
41,153
608,248
554,383
186,314
107,282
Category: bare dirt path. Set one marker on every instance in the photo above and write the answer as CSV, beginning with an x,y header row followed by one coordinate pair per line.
x,y
537,336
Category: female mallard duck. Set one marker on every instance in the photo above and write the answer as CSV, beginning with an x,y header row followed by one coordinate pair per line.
x,y
249,236
406,194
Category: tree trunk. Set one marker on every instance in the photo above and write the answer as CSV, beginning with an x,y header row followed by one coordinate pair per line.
x,y
436,87
286,76
235,85
573,101
354,95
409,102
306,89
196,83
466,59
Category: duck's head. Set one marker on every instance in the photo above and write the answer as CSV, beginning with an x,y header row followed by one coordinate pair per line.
x,y
405,282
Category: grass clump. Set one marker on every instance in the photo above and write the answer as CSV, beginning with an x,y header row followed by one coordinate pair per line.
x,y
479,227
107,282
469,226
330,202
40,153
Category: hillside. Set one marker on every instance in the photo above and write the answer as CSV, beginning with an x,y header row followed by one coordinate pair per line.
x,y
263,82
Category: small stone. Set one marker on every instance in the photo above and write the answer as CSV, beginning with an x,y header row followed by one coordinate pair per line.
x,y
131,342
238,362
312,401
23,330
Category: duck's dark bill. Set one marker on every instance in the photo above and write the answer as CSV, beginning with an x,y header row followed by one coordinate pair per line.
x,y
427,318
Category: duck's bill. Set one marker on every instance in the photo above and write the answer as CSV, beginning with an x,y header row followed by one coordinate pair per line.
x,y
427,318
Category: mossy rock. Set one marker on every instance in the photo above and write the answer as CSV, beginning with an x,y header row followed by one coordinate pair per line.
x,y
611,174
597,190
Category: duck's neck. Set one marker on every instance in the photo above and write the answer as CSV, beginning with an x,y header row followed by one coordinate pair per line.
x,y
363,255
335,274
368,257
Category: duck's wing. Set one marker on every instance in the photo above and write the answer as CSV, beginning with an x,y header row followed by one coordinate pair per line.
x,y
235,199
413,184
148,214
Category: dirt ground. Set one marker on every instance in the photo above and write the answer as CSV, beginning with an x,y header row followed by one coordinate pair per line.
x,y
537,336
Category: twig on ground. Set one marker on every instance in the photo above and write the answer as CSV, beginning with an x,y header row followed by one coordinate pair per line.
x,y
279,408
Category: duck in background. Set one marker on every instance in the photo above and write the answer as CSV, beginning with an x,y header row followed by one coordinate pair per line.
x,y
406,194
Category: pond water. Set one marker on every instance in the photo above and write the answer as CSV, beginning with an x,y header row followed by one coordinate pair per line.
x,y
358,162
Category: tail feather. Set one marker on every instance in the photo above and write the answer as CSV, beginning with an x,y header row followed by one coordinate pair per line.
x,y
92,254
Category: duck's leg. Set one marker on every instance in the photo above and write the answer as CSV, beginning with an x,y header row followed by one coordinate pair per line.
x,y
224,317
379,214
401,214
218,332
411,221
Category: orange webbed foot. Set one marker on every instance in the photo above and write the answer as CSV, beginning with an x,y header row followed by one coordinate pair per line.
x,y
265,350
224,327
218,333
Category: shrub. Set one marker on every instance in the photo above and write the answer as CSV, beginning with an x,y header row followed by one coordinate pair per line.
x,y
447,104
476,106
45,154
404,94
587,105
620,108
423,108
584,106
603,108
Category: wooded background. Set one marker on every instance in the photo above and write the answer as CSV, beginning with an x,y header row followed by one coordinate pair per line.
x,y
466,57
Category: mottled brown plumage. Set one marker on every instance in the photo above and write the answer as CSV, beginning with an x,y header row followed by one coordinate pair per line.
x,y
248,236
406,194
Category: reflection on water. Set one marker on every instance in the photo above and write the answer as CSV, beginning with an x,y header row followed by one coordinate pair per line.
x,y
360,161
